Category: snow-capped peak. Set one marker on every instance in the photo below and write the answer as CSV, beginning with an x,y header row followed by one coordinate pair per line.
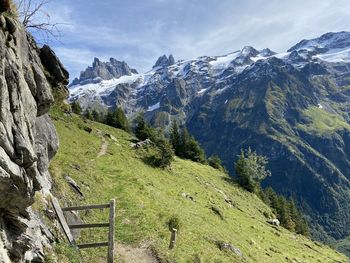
x,y
113,83
325,42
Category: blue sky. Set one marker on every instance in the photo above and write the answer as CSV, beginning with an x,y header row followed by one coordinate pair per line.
x,y
139,31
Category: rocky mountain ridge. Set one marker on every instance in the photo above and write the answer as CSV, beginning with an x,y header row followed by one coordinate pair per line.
x,y
207,70
103,71
292,107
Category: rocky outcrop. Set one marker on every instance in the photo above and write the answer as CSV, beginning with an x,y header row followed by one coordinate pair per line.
x,y
164,61
104,71
27,138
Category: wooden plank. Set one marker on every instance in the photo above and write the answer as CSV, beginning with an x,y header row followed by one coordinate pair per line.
x,y
75,226
173,238
91,245
111,232
85,207
63,221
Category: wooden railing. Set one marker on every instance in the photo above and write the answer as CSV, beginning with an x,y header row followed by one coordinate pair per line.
x,y
66,228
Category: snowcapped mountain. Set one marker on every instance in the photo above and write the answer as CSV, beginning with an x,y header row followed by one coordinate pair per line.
x,y
113,83
142,91
292,107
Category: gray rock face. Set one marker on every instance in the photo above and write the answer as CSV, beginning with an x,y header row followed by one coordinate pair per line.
x,y
104,71
27,139
46,146
53,65
164,61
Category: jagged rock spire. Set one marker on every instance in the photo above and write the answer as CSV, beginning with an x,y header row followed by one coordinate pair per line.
x,y
164,61
104,71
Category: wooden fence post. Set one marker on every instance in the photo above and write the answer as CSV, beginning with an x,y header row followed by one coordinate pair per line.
x,y
111,231
173,238
111,225
63,221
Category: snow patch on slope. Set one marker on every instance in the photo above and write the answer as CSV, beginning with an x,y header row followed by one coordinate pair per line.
x,y
154,107
335,55
202,91
104,86
222,62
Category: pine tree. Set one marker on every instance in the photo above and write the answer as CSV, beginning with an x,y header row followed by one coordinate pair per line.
x,y
76,108
194,152
95,116
164,154
301,226
143,131
286,211
109,119
118,119
121,121
251,170
184,141
189,148
88,114
284,215
175,138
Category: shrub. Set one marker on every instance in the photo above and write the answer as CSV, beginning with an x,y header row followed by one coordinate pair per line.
x,y
174,222
215,162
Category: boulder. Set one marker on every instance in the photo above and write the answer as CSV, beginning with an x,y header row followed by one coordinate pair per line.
x,y
274,222
74,185
230,247
141,144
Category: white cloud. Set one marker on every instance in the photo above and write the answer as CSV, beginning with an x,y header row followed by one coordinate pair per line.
x,y
77,59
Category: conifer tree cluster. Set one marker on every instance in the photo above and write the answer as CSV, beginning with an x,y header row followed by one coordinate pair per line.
x,y
185,145
286,211
115,118
164,152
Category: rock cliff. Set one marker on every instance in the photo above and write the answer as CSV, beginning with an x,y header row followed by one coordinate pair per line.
x,y
28,140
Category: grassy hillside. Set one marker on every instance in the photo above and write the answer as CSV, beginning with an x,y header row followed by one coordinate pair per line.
x,y
148,197
322,122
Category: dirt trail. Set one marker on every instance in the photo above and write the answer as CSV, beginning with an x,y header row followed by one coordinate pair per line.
x,y
129,254
104,148
104,145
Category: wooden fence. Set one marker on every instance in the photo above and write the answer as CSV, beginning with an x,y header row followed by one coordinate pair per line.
x,y
67,228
